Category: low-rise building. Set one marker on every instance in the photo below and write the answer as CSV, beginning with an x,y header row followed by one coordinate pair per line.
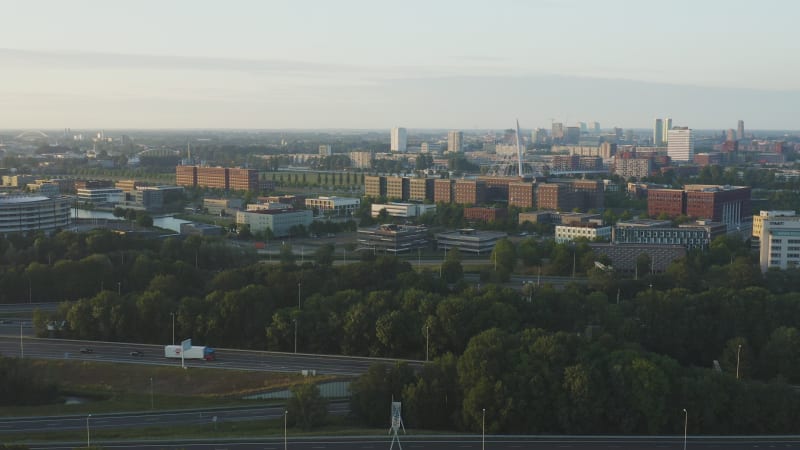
x,y
695,235
779,241
405,210
24,213
222,206
200,229
392,238
334,206
469,240
481,214
99,196
590,231
279,221
623,257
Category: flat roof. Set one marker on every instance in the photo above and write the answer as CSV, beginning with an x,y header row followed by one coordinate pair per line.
x,y
15,199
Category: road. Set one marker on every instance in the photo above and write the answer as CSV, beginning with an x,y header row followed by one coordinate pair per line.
x,y
119,352
150,419
463,442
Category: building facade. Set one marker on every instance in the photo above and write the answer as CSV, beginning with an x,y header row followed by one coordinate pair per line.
x,y
374,186
397,188
680,144
24,213
779,243
469,192
334,206
443,190
590,231
404,210
399,140
279,221
469,240
522,195
455,142
420,189
392,238
480,214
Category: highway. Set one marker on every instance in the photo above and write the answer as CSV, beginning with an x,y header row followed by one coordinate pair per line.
x,y
119,352
151,419
463,442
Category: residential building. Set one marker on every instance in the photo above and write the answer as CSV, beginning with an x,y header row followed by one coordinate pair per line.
x,y
680,144
25,213
392,238
279,221
443,190
421,189
217,178
667,127
557,132
334,206
658,133
469,240
455,142
522,194
186,176
637,168
212,177
397,188
469,192
740,131
374,186
360,160
399,140
242,179
325,151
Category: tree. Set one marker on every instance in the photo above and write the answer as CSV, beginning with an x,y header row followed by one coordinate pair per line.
x,y
504,255
286,255
324,255
307,408
144,220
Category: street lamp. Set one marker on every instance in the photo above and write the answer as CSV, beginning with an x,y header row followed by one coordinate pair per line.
x,y
88,437
427,340
285,418
119,287
173,327
738,353
295,335
685,426
483,430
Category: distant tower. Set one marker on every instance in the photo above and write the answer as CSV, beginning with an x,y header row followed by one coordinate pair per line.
x,y
596,127
455,141
658,133
399,140
667,127
740,130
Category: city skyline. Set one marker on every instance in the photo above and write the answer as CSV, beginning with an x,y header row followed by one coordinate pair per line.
x,y
357,65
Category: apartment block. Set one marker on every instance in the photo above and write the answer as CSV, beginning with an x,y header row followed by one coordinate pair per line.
x,y
397,188
469,192
522,195
420,189
443,190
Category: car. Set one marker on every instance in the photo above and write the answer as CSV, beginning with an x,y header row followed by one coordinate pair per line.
x,y
87,350
136,353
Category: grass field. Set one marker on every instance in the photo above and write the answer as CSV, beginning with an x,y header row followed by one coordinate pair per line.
x,y
115,388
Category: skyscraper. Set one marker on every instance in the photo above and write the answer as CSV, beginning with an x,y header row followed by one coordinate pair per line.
x,y
740,130
667,127
658,133
399,139
680,144
455,141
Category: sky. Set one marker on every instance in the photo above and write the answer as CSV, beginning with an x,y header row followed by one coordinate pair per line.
x,y
269,64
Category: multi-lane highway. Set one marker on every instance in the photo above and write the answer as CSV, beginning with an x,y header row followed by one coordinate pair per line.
x,y
119,352
461,442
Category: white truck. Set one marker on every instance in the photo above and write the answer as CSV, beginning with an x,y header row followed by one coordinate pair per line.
x,y
174,351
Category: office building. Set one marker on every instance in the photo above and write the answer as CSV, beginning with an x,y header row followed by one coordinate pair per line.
x,y
397,188
334,206
278,221
361,160
186,176
779,242
522,194
469,240
726,204
590,231
101,196
25,213
658,133
758,221
624,256
680,144
217,178
242,179
325,151
469,192
557,132
740,130
403,210
455,142
399,140
222,206
572,135
695,235
392,238
667,127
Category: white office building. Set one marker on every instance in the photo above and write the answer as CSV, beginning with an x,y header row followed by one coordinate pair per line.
x,y
399,140
779,243
404,210
680,144
565,233
334,206
23,213
279,221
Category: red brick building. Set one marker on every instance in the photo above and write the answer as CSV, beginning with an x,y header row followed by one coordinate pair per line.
x,y
443,190
671,202
522,195
217,177
485,214
242,179
469,192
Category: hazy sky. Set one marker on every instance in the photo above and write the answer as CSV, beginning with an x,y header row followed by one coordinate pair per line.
x,y
377,64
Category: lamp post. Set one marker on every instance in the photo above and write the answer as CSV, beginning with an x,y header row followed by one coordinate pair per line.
x,y
738,354
21,345
483,430
427,340
285,418
119,287
295,335
88,436
152,403
173,327
685,426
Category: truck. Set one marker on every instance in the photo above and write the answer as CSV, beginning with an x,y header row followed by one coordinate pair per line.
x,y
195,352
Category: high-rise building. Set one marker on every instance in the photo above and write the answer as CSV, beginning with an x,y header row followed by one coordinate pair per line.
x,y
680,144
667,127
399,139
731,135
539,136
557,131
596,127
740,130
658,133
325,150
583,127
572,135
455,141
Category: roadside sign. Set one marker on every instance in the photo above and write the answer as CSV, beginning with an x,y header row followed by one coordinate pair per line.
x,y
187,344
